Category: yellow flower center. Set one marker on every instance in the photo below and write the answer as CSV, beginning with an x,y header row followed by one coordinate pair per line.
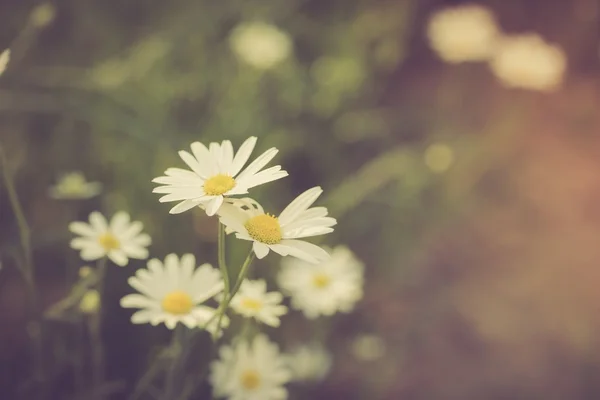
x,y
321,280
177,303
250,379
264,228
109,242
218,184
251,304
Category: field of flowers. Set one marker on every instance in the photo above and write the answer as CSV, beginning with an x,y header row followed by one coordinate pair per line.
x,y
296,200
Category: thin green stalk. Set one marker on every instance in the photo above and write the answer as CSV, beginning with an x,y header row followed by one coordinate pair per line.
x,y
242,274
95,327
27,270
227,298
221,258
176,348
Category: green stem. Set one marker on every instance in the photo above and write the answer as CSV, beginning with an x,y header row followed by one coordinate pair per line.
x,y
96,329
221,257
175,351
27,270
227,298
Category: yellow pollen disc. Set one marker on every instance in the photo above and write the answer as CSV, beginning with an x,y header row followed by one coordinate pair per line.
x,y
250,379
251,304
321,280
264,228
218,184
109,242
177,303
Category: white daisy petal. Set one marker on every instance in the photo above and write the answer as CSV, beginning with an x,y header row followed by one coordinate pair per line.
x,y
257,164
226,155
192,163
118,257
81,228
260,249
138,301
305,250
242,156
299,205
92,252
142,317
212,206
98,222
205,160
184,206
119,222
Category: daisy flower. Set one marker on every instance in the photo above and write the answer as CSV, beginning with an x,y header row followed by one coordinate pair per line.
x,y
528,61
309,363
463,33
119,240
367,347
172,292
248,220
215,174
74,186
260,45
250,370
325,288
253,301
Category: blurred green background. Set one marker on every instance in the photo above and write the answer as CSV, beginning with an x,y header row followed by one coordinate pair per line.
x,y
475,207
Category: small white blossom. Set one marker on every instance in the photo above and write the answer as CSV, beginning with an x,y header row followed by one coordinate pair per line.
x,y
325,288
74,186
463,33
309,363
250,370
119,240
367,347
528,62
260,45
248,220
215,174
253,301
173,292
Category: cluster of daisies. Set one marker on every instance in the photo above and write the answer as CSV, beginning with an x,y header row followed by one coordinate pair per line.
x,y
319,281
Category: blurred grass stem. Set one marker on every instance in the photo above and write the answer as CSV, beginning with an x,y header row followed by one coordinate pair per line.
x,y
227,298
95,326
27,270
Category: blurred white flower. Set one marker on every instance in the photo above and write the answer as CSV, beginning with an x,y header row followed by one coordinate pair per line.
x,y
325,288
250,370
90,302
309,363
73,185
4,59
119,240
367,347
215,174
43,15
462,33
260,45
247,218
439,157
172,292
253,301
527,61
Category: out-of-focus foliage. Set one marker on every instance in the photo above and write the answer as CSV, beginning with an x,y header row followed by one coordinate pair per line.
x,y
474,206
